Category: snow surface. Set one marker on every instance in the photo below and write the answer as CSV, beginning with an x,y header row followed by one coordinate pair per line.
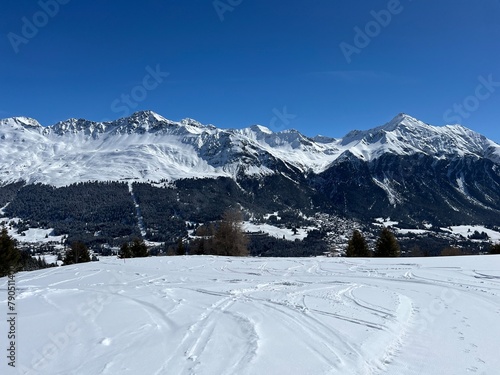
x,y
387,222
216,315
31,235
277,232
467,230
36,235
458,230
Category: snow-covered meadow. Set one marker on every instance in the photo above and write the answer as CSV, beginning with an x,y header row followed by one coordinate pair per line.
x,y
214,315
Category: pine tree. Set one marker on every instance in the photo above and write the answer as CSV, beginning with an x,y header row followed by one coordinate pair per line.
x,y
9,254
79,253
387,245
139,248
357,246
125,251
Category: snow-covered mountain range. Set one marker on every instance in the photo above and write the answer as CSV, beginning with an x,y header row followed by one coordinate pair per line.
x,y
149,147
163,174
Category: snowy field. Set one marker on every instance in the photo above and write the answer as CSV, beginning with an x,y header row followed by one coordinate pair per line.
x,y
209,315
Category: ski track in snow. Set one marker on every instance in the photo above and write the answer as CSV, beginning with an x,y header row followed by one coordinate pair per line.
x,y
140,220
224,316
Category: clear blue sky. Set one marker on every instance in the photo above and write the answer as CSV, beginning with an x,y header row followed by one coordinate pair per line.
x,y
235,63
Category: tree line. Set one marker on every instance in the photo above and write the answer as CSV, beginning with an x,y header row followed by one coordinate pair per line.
x,y
226,238
13,260
388,246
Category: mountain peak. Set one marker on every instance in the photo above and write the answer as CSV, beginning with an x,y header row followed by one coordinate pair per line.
x,y
261,129
25,122
191,122
406,135
75,126
403,116
146,115
403,120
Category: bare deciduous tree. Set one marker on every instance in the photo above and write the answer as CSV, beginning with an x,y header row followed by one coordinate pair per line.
x,y
229,238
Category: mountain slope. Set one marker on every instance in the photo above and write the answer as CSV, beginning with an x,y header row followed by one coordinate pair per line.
x,y
405,135
415,188
146,146
405,169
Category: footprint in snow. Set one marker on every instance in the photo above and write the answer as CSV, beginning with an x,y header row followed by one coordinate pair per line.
x,y
106,341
